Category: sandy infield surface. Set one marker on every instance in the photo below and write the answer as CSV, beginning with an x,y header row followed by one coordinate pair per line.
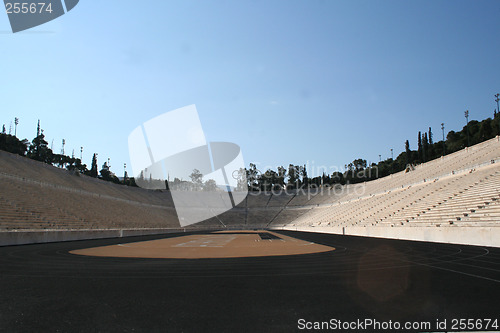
x,y
225,244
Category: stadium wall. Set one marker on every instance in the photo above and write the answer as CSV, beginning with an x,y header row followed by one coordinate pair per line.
x,y
480,236
48,236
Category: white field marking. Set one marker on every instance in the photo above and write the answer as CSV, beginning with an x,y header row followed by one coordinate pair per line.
x,y
209,241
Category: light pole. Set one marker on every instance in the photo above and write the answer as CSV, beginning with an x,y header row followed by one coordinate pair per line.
x,y
81,153
380,158
392,154
444,147
466,113
16,121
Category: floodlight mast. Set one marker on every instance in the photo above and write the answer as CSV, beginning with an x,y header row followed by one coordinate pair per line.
x,y
16,122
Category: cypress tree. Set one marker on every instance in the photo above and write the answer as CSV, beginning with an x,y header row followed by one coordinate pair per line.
x,y
93,169
407,149
420,146
425,148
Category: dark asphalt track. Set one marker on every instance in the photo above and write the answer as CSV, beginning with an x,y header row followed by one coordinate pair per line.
x,y
46,289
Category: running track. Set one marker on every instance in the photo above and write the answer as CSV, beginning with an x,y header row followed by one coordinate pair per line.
x,y
46,289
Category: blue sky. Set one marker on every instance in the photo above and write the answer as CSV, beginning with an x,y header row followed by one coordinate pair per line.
x,y
316,82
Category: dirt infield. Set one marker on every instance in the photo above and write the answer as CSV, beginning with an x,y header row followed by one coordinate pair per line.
x,y
227,244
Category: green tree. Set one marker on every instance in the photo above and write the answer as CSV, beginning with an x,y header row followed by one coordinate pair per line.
x,y
454,142
337,178
496,124
293,176
39,149
407,151
105,172
280,179
485,130
13,145
356,171
196,179
419,142
93,167
242,184
425,148
359,164
82,168
252,177
210,186
303,175
268,180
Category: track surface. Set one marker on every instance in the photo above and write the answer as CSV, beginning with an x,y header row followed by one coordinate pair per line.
x,y
46,289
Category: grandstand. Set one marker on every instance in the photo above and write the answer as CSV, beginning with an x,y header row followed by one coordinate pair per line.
x,y
37,196
459,191
445,192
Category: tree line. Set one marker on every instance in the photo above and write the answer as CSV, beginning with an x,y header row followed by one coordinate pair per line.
x,y
357,171
38,149
291,177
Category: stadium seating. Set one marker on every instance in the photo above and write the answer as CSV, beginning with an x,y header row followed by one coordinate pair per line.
x,y
39,196
462,188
